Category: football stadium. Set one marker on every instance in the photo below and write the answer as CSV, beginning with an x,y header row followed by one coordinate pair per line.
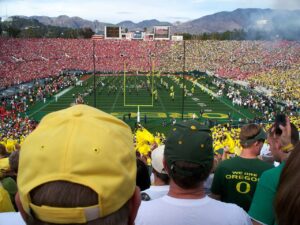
x,y
156,81
227,99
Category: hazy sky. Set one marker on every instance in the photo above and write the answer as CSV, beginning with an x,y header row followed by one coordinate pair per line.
x,y
115,11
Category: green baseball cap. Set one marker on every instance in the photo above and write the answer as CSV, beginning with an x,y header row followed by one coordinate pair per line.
x,y
191,142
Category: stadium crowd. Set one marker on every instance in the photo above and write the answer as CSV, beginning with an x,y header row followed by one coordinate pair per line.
x,y
257,99
15,123
272,65
241,59
30,59
38,58
226,151
283,85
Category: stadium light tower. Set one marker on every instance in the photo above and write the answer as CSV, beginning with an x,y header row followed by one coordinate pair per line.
x,y
122,55
94,64
183,81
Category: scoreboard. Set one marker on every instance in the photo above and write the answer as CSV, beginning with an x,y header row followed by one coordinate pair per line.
x,y
111,32
162,33
138,35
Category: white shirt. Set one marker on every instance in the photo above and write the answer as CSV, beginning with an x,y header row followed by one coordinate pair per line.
x,y
155,192
11,218
205,211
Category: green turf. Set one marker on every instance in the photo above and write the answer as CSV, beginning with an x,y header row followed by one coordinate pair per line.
x,y
110,98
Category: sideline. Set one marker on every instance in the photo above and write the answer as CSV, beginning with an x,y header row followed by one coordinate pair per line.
x,y
51,101
208,91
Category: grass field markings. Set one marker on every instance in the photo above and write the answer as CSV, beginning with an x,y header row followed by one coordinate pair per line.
x,y
202,104
230,106
221,100
51,101
40,109
115,101
162,105
164,102
207,90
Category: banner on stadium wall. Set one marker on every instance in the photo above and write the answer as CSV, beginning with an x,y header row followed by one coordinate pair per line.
x,y
97,37
177,38
149,37
161,33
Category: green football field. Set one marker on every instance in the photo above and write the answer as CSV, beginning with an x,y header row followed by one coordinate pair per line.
x,y
121,95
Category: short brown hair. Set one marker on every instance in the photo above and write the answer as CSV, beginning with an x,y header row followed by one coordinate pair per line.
x,y
247,133
164,177
67,194
14,161
198,173
3,151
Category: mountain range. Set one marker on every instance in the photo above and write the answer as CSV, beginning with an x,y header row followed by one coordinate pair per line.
x,y
275,21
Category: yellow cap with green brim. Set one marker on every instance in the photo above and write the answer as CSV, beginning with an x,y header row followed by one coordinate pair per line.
x,y
82,145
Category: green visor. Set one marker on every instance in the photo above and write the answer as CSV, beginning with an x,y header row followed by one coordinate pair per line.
x,y
261,136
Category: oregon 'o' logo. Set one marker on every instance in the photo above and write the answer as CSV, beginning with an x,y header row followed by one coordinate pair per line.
x,y
215,115
243,187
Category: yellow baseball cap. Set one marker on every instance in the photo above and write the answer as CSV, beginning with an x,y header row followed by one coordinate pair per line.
x,y
81,145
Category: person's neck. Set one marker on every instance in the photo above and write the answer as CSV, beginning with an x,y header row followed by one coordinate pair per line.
x,y
177,192
248,153
158,182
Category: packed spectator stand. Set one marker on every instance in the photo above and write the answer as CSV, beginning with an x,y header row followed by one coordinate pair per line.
x,y
27,59
271,65
271,71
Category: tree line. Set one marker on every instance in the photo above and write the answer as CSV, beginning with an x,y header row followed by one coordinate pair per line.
x,y
17,27
251,34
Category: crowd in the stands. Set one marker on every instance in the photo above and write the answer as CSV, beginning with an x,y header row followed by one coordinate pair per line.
x,y
27,59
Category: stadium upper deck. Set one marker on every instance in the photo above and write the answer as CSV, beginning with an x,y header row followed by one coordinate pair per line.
x,y
23,60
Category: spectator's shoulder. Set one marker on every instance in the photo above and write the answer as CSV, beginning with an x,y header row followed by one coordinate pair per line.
x,y
11,218
227,162
232,213
271,174
146,210
238,215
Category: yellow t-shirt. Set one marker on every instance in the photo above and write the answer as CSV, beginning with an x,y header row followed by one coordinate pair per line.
x,y
10,145
5,202
4,165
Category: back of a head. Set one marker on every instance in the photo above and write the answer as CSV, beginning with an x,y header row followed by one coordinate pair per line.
x,y
250,134
68,194
86,168
294,134
14,161
3,152
142,176
158,169
189,154
287,201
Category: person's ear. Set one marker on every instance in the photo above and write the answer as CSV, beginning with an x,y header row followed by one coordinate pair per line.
x,y
20,207
258,144
134,204
165,166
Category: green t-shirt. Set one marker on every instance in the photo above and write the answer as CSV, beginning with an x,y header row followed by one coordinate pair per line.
x,y
10,185
5,200
235,180
262,208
